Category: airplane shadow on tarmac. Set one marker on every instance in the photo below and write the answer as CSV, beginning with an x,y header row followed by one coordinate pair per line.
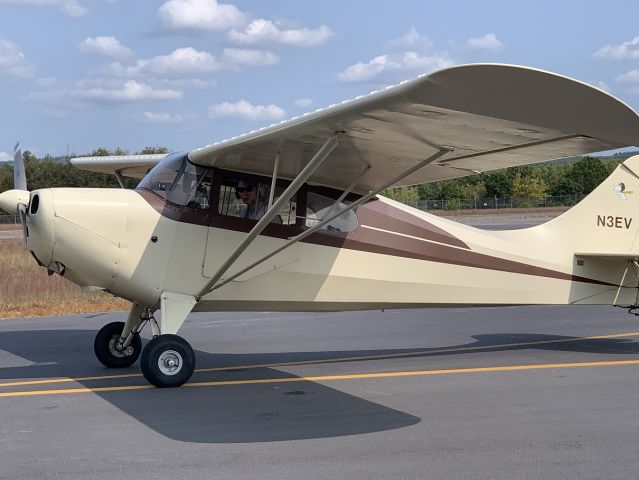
x,y
252,412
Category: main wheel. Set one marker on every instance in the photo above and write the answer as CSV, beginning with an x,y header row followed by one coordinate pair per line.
x,y
167,361
106,347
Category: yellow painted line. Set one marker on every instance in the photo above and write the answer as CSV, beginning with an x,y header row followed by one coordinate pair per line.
x,y
328,378
421,352
333,360
68,379
415,373
67,391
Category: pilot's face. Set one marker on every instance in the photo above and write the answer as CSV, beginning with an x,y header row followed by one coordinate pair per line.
x,y
247,192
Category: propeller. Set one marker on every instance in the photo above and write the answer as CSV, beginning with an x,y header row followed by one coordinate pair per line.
x,y
20,183
17,200
22,210
19,175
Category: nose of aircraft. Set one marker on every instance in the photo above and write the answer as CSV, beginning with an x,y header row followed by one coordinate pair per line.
x,y
10,199
88,227
37,217
74,232
40,226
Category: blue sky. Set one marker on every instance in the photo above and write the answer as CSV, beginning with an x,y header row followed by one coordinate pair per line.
x,y
186,73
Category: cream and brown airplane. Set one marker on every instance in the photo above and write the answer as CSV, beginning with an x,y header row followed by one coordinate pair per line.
x,y
289,217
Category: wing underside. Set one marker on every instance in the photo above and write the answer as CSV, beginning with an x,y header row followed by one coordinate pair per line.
x,y
488,117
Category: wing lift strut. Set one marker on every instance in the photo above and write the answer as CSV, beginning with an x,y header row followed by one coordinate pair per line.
x,y
168,360
216,281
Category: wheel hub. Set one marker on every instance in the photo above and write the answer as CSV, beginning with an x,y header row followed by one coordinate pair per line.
x,y
170,362
116,348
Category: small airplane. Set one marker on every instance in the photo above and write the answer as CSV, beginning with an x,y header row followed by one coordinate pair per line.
x,y
289,217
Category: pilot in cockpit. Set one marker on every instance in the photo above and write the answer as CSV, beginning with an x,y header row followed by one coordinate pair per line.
x,y
247,192
255,198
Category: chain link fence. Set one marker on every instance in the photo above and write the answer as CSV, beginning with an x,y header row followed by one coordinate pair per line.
x,y
496,203
453,204
9,219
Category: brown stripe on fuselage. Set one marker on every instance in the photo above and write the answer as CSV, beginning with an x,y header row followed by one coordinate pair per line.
x,y
382,215
386,243
379,215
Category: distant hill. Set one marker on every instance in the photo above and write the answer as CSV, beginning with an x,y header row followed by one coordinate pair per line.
x,y
621,155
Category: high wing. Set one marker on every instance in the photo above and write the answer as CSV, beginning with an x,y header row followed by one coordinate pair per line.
x,y
488,116
135,166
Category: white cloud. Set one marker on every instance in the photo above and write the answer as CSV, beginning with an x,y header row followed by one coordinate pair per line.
x,y
106,46
250,58
131,91
161,117
5,157
71,8
244,109
413,40
629,77
488,42
198,83
84,93
200,15
362,72
624,51
412,52
13,61
303,102
181,83
417,61
182,61
601,85
189,62
263,31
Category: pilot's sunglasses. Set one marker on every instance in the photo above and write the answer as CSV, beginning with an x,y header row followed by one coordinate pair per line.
x,y
245,189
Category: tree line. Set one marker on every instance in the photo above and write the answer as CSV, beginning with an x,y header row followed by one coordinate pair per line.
x,y
575,178
578,177
46,172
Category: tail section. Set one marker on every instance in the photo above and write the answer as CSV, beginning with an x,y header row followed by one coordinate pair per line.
x,y
11,200
595,242
606,222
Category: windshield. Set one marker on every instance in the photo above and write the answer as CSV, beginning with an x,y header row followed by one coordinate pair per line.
x,y
179,181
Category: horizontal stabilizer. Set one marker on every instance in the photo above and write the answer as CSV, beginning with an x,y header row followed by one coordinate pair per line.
x,y
134,166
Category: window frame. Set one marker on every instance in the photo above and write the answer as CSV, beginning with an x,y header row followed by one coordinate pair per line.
x,y
219,174
284,231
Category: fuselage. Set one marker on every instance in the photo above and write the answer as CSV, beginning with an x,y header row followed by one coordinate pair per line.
x,y
137,244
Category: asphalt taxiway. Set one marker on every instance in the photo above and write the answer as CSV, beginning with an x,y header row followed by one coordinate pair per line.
x,y
464,393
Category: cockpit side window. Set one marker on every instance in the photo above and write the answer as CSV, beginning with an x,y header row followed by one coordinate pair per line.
x,y
247,197
180,182
321,205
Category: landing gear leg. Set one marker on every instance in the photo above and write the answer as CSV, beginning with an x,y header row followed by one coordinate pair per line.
x,y
168,360
118,344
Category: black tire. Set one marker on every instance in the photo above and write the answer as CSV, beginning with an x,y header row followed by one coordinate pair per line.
x,y
157,357
104,347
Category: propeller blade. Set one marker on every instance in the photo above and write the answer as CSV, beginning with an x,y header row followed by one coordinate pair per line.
x,y
22,210
19,175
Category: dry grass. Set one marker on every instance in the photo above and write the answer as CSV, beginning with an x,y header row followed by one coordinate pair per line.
x,y
26,289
